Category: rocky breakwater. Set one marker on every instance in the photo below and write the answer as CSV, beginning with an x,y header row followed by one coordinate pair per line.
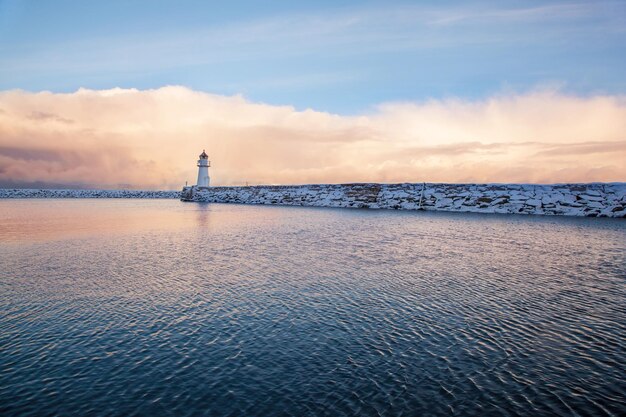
x,y
591,200
44,193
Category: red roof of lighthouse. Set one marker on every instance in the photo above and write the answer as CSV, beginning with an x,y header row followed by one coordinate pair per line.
x,y
203,155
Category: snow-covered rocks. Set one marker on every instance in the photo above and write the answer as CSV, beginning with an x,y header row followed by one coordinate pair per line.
x,y
592,200
41,193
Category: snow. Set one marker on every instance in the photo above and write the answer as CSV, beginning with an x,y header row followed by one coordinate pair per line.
x,y
560,199
597,199
55,193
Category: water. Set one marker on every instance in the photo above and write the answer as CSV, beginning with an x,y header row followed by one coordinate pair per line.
x,y
147,307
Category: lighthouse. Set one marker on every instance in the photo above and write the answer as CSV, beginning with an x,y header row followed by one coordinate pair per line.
x,y
203,170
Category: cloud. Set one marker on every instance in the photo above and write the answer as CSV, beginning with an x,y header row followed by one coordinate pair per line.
x,y
151,139
327,33
42,116
516,14
584,148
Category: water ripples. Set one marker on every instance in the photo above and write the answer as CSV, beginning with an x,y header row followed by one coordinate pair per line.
x,y
238,310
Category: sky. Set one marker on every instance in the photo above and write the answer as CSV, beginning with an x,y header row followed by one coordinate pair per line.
x,y
126,94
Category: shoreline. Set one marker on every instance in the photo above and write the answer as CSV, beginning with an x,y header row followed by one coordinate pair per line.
x,y
11,193
578,199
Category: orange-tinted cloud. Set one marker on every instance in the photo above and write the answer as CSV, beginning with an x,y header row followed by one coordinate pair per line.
x,y
150,139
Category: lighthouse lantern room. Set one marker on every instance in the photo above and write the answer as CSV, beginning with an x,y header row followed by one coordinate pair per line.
x,y
203,170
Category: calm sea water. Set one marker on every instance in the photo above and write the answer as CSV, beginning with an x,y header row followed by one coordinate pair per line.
x,y
147,307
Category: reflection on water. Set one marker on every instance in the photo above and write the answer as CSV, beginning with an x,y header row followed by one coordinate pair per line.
x,y
119,307
52,219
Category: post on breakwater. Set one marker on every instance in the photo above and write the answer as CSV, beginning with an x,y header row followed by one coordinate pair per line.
x,y
421,197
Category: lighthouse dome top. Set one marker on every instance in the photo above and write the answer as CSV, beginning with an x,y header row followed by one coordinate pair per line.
x,y
203,155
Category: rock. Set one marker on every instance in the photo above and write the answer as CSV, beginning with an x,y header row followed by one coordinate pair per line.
x,y
594,193
533,202
572,200
444,202
499,201
591,197
595,204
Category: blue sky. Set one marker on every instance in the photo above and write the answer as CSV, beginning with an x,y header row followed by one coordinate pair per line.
x,y
337,56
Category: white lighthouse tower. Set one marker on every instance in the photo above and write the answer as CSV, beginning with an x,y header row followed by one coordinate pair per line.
x,y
203,170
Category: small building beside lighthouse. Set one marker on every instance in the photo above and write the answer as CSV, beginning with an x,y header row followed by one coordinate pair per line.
x,y
203,170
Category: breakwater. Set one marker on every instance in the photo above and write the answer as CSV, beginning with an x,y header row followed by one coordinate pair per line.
x,y
591,200
52,193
